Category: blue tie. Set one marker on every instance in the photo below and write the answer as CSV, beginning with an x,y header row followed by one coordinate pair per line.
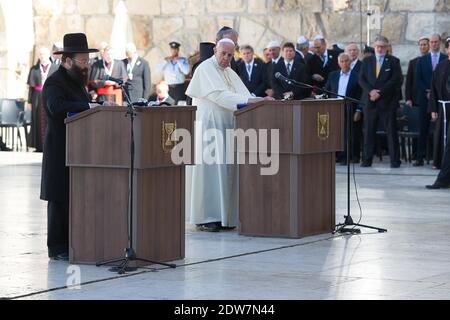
x,y
288,68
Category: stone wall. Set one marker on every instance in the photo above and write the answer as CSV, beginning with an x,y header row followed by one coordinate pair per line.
x,y
156,22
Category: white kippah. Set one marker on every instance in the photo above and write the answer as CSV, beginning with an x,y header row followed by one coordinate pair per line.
x,y
302,40
225,40
274,44
319,37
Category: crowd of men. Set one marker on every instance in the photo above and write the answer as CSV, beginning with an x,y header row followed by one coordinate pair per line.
x,y
373,77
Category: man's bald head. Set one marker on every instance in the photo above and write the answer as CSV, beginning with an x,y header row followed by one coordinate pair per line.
x,y
224,52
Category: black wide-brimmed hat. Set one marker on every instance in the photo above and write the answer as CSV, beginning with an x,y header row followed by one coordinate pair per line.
x,y
75,43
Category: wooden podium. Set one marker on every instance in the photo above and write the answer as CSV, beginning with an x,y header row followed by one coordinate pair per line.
x,y
98,154
300,199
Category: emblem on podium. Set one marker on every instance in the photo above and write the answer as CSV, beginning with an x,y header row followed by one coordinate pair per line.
x,y
323,125
167,140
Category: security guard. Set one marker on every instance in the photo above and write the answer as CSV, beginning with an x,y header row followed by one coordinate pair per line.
x,y
175,70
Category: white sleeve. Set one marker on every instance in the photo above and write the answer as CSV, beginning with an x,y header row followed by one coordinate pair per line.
x,y
227,99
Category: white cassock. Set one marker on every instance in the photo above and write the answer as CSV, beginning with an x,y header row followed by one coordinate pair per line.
x,y
212,189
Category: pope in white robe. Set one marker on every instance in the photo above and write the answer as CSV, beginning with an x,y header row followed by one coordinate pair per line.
x,y
216,90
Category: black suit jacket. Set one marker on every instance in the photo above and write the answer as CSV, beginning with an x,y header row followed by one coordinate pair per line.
x,y
410,84
388,82
353,88
60,95
140,86
423,73
315,66
299,72
257,84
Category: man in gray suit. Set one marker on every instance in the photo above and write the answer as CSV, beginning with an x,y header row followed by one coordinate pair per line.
x,y
138,70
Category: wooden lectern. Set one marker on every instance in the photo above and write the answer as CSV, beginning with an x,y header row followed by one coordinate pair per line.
x,y
98,154
300,199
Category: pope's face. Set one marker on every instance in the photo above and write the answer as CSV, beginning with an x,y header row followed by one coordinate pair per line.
x,y
224,53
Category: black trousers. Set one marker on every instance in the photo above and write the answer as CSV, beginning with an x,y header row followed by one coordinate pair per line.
x,y
424,128
57,227
388,117
444,174
176,91
355,140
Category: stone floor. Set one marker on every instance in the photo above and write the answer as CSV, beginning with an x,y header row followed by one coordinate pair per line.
x,y
410,261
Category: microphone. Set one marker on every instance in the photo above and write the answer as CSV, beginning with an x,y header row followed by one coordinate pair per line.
x,y
141,103
278,75
109,78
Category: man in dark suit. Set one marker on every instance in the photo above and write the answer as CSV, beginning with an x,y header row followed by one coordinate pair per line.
x,y
274,49
139,80
162,95
292,69
411,87
253,72
424,70
380,79
345,82
322,63
64,91
104,90
302,53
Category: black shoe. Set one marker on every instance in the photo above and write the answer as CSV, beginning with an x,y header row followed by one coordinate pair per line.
x,y
209,227
437,185
418,163
395,165
3,147
63,256
366,164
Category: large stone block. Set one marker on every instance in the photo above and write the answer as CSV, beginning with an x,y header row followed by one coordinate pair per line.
x,y
250,31
164,28
287,25
338,5
393,27
312,25
342,27
405,53
208,28
257,6
424,24
88,7
172,7
142,31
154,57
442,6
408,5
304,5
98,29
226,21
195,7
41,30
220,6
139,7
60,25
267,37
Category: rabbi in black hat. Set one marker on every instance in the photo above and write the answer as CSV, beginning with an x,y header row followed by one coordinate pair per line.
x,y
175,70
63,92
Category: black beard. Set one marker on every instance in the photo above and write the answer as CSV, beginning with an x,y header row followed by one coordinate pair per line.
x,y
79,75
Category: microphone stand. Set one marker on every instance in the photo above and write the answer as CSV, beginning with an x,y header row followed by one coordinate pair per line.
x,y
348,222
130,253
